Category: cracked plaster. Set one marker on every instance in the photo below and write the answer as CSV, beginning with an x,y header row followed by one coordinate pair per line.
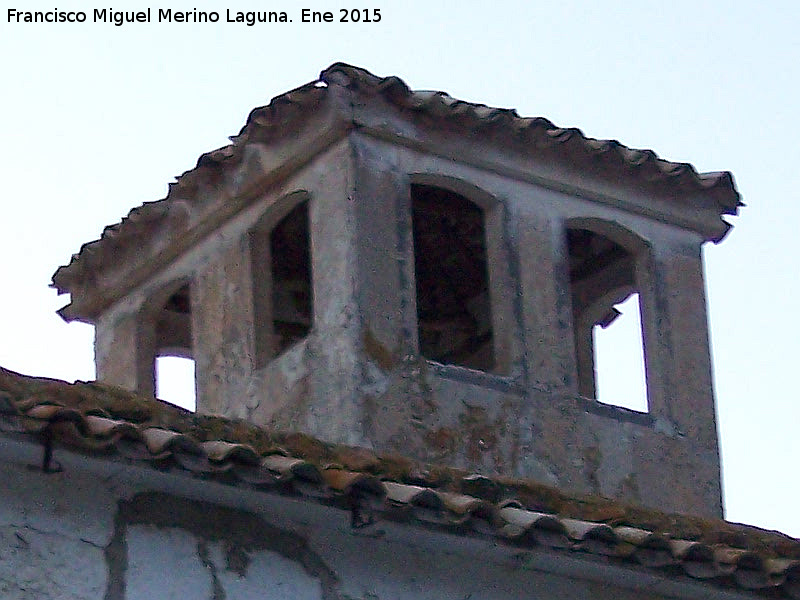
x,y
165,536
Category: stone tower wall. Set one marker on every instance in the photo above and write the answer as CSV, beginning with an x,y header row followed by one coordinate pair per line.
x,y
358,376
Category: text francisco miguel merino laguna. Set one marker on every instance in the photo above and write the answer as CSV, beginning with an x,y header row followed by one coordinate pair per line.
x,y
163,15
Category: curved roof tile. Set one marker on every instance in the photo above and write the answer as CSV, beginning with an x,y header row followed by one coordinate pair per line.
x,y
284,114
768,562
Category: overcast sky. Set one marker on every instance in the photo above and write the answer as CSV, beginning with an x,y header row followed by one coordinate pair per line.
x,y
97,119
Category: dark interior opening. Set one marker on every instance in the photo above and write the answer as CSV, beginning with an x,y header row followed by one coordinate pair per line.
x,y
280,257
290,274
450,260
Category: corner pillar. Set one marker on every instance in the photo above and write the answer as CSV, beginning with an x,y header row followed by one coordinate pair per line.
x,y
385,246
124,352
222,331
680,358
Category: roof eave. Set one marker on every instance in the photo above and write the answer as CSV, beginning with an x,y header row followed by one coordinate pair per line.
x,y
301,123
198,202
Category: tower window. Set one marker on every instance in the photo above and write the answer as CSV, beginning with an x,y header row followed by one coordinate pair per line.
x,y
282,289
450,260
609,343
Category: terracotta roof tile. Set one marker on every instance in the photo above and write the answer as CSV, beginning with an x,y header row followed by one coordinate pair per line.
x,y
647,548
533,528
766,562
285,113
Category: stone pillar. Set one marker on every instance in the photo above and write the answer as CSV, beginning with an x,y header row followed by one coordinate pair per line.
x,y
124,348
680,387
544,279
680,360
503,290
335,412
385,246
222,330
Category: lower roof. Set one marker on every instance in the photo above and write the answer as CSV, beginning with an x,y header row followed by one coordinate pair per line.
x,y
100,419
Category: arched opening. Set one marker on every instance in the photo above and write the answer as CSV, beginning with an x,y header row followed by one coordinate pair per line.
x,y
280,257
454,316
606,315
173,363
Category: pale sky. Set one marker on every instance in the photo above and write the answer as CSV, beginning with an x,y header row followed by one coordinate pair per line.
x,y
97,119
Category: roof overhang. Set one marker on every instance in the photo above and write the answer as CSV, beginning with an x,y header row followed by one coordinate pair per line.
x,y
94,426
298,126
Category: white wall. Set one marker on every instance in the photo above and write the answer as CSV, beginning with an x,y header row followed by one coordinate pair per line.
x,y
103,529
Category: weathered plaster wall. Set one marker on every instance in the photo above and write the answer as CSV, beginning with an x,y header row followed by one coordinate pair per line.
x,y
358,378
531,421
104,530
53,531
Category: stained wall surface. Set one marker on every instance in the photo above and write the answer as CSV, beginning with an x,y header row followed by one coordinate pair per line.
x,y
359,377
103,530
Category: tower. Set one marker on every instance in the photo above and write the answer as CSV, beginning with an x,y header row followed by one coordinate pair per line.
x,y
405,271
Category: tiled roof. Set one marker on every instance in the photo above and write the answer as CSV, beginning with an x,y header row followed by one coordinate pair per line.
x,y
285,114
94,418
